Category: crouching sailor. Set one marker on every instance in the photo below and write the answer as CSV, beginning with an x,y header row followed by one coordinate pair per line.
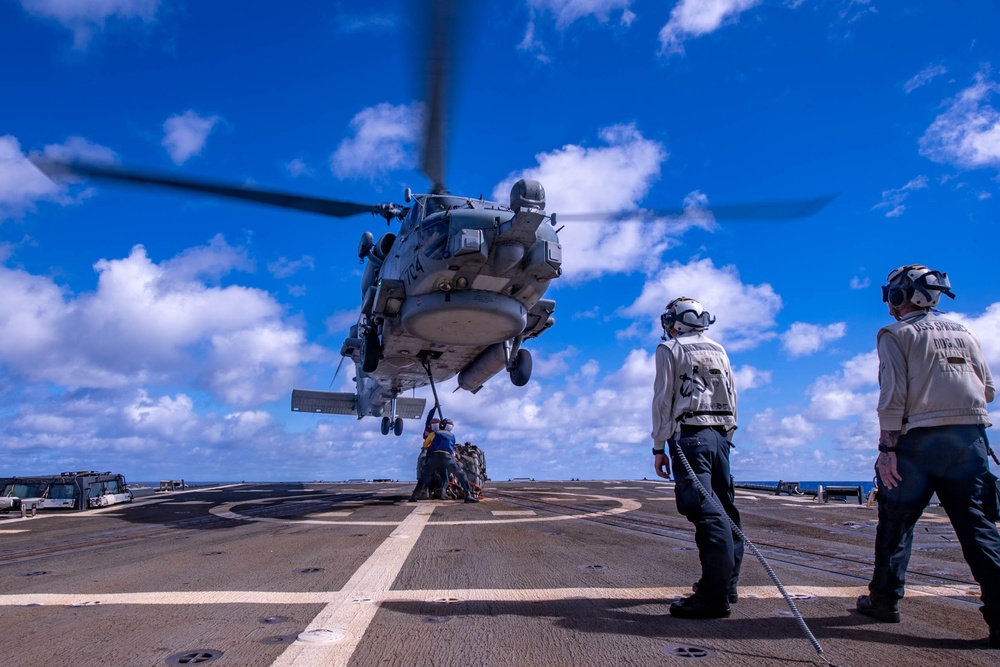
x,y
694,410
441,460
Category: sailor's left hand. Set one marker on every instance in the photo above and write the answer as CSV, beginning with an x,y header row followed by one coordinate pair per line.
x,y
662,465
886,466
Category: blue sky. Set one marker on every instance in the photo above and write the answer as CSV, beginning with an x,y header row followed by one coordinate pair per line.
x,y
160,336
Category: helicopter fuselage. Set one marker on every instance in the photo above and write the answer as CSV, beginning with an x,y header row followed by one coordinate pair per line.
x,y
456,291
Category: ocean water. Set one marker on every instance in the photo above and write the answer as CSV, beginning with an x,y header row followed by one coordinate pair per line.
x,y
812,485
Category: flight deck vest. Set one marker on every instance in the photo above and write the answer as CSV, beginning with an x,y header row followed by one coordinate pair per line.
x,y
704,391
945,372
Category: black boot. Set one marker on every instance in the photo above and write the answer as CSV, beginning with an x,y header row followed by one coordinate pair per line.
x,y
734,594
883,613
696,607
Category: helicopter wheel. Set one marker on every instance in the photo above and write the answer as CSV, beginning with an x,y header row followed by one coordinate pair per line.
x,y
397,426
386,425
521,372
370,351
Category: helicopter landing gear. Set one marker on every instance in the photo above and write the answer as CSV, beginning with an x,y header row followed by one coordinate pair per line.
x,y
392,421
521,371
394,425
371,348
518,362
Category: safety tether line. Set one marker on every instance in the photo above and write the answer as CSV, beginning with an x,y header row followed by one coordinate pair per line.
x,y
767,567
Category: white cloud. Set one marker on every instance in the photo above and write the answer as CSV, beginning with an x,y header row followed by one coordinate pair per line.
x,y
147,323
340,321
370,23
850,392
79,149
165,417
745,314
860,283
967,134
21,183
567,12
748,377
855,10
771,433
384,139
560,363
986,327
803,338
284,267
575,421
694,18
924,77
186,134
297,167
85,17
613,177
894,199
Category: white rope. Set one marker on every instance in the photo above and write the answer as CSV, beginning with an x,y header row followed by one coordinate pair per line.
x,y
767,567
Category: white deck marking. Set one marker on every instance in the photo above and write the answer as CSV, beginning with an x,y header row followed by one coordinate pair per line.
x,y
341,598
338,629
350,612
513,513
22,530
626,505
225,511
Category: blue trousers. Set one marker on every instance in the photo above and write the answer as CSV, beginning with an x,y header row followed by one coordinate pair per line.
x,y
719,548
950,461
442,463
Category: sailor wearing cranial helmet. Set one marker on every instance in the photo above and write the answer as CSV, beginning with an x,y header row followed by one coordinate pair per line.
x,y
694,410
934,385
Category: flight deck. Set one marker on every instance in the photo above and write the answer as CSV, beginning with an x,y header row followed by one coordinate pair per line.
x,y
539,573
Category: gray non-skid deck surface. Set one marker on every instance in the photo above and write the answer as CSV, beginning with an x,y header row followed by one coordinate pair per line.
x,y
573,573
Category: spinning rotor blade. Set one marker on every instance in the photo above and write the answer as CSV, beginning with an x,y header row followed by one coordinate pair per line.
x,y
338,372
331,207
440,29
777,210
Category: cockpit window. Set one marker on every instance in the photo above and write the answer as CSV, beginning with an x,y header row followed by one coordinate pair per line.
x,y
23,490
62,491
434,236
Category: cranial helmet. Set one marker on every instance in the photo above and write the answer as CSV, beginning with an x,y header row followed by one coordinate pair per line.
x,y
446,425
686,315
915,284
432,426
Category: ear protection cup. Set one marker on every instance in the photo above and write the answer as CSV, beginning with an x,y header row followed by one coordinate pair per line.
x,y
897,296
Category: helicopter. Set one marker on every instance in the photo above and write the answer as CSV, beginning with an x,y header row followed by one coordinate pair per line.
x,y
457,289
